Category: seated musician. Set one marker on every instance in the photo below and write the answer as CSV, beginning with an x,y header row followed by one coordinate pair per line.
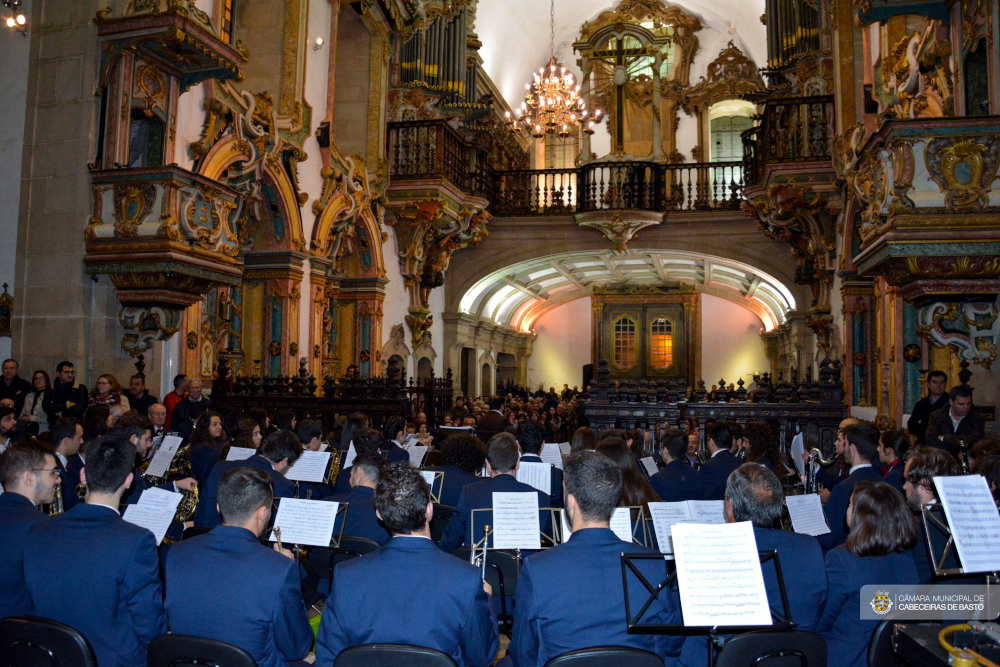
x,y
392,443
572,596
437,601
924,464
138,430
256,598
94,571
29,475
531,439
276,454
837,473
464,456
882,531
365,440
678,481
502,462
310,434
721,462
754,493
892,447
860,449
361,519
66,435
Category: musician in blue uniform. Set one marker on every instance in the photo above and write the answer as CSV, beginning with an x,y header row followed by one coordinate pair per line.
x,y
531,439
364,440
721,462
922,467
66,435
392,440
678,480
464,456
310,434
361,519
860,448
892,448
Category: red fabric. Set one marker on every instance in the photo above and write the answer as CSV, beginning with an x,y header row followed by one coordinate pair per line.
x,y
170,401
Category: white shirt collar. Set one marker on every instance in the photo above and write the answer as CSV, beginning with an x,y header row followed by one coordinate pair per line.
x,y
63,459
422,537
859,467
116,510
719,451
498,412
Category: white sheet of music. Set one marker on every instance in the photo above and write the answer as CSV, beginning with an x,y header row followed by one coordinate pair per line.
x,y
164,455
429,476
550,454
310,467
649,464
536,474
323,446
621,523
565,448
708,511
240,453
417,454
154,511
665,516
349,456
974,521
515,521
307,522
807,514
719,575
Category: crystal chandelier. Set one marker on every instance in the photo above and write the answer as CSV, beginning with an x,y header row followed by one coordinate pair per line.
x,y
552,104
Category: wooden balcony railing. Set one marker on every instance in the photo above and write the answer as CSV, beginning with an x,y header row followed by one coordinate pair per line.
x,y
792,129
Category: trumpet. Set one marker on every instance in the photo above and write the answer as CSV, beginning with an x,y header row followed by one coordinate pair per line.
x,y
57,503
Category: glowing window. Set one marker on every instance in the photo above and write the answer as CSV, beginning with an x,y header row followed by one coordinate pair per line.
x,y
624,342
227,21
661,343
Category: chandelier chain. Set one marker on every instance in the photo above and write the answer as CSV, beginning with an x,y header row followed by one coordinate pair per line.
x,y
552,28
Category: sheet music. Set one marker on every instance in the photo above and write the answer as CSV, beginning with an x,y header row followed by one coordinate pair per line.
x,y
719,575
240,453
665,516
515,521
429,476
621,523
164,455
349,456
307,522
550,454
565,448
323,447
807,514
310,467
417,454
973,519
708,511
537,475
154,511
649,464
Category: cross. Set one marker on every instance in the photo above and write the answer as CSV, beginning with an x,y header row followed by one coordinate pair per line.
x,y
618,54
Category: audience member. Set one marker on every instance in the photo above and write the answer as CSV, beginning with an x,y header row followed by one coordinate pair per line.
x,y
138,397
678,481
13,386
860,448
982,449
108,392
721,462
32,413
171,400
464,456
66,398
392,442
892,447
957,425
531,439
936,399
157,414
8,426
921,467
190,407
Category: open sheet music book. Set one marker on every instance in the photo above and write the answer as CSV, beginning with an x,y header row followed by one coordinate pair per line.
x,y
308,522
164,456
516,524
973,519
154,511
551,454
667,515
620,524
240,453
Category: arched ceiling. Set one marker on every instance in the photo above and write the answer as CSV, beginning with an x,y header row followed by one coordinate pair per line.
x,y
518,295
515,34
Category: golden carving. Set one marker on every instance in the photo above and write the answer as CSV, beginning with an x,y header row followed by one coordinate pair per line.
x,y
133,201
960,267
153,85
964,169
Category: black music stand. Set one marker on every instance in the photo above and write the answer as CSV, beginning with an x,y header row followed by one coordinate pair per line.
x,y
782,620
931,518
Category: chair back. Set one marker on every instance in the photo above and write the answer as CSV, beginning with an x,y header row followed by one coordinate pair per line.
x,y
351,547
392,655
442,516
187,651
40,642
764,648
880,653
606,656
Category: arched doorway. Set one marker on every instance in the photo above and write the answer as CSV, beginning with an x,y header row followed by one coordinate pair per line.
x,y
486,388
424,368
506,368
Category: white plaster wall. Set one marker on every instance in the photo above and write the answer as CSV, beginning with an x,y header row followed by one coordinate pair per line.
x,y
731,346
396,301
14,49
562,348
436,304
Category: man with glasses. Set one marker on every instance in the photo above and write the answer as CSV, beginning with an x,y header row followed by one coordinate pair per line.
x,y
66,398
157,414
29,476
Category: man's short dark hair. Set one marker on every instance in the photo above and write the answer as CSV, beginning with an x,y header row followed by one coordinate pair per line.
x,y
242,491
393,425
896,440
496,403
7,361
756,494
6,410
62,429
531,436
959,391
132,423
307,429
675,441
109,463
138,376
179,380
464,451
280,445
864,437
937,374
926,463
720,434
613,433
501,452
63,364
367,440
370,463
595,482
401,498
19,459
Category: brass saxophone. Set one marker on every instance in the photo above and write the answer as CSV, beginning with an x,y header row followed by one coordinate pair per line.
x,y
331,476
57,504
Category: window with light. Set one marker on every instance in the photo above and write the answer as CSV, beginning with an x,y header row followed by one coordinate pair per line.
x,y
661,343
624,342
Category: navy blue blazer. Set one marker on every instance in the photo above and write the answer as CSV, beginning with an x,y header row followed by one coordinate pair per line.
x,y
17,515
836,506
480,496
69,482
110,591
255,601
556,496
715,472
804,574
343,484
361,519
452,483
571,597
846,635
448,611
207,514
678,482
895,477
393,453
203,459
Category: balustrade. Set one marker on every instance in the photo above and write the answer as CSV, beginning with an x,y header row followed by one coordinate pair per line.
x,y
792,129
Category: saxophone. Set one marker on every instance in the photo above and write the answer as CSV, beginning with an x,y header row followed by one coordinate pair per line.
x,y
331,476
57,504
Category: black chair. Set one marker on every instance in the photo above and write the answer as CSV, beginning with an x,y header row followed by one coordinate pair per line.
x,y
502,571
880,653
392,655
764,648
606,656
30,641
194,531
187,651
350,547
442,516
